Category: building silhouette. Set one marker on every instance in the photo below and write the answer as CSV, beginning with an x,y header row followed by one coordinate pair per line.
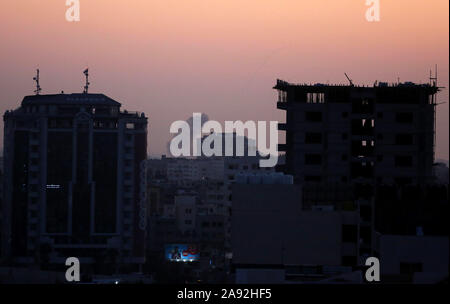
x,y
370,150
74,182
384,134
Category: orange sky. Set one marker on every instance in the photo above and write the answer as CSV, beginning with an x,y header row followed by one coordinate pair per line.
x,y
170,58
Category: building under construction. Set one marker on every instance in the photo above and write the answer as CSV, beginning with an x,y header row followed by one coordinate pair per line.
x,y
358,148
343,133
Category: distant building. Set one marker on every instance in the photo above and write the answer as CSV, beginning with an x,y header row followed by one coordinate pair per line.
x,y
75,178
210,177
188,172
186,211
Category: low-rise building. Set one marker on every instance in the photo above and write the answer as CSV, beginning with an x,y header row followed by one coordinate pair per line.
x,y
272,229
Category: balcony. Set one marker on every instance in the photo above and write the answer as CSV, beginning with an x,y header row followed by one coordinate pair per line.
x,y
282,126
282,105
282,147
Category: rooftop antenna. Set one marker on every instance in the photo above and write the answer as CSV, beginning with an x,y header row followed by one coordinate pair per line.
x,y
86,87
433,80
38,87
435,73
349,80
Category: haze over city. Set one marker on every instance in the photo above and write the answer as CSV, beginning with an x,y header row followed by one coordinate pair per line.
x,y
172,58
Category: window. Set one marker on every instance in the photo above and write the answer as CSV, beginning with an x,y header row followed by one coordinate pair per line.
x,y
366,234
313,138
313,116
404,139
344,114
282,96
344,136
349,260
313,159
313,178
404,117
315,97
403,180
360,105
403,161
349,233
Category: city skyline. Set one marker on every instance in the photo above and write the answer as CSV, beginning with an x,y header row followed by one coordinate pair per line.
x,y
221,59
213,143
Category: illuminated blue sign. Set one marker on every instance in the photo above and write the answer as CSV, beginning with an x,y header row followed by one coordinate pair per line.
x,y
182,253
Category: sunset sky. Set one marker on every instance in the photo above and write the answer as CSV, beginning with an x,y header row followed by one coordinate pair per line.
x,y
170,58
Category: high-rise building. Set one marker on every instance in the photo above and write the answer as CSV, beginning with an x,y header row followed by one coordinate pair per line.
x,y
345,144
74,181
1,201
336,133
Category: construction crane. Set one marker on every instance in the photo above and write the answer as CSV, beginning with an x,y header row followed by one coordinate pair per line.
x,y
349,80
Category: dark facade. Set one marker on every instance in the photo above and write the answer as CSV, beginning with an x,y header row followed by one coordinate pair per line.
x,y
347,145
338,134
75,181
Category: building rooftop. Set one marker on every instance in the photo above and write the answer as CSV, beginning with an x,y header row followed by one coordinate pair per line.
x,y
283,85
70,99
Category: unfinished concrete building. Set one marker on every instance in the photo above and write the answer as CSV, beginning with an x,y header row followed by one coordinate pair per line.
x,y
344,143
343,133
